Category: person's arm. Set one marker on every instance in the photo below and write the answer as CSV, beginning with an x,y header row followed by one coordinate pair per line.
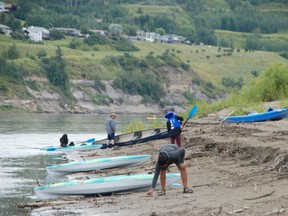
x,y
113,126
168,126
155,179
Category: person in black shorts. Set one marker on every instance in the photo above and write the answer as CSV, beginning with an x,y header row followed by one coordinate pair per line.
x,y
168,155
111,130
174,127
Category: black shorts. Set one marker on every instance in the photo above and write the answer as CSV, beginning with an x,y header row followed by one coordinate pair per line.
x,y
111,136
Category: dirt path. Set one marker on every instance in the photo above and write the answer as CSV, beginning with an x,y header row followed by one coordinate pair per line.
x,y
234,170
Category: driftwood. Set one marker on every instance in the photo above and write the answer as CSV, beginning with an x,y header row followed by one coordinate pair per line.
x,y
203,185
236,211
276,211
219,212
65,201
259,197
32,205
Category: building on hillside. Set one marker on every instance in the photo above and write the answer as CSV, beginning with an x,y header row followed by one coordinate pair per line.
x,y
154,37
37,34
2,7
68,31
10,7
101,32
7,7
5,29
147,36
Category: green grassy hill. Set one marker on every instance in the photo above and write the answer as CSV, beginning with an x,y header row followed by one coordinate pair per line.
x,y
208,62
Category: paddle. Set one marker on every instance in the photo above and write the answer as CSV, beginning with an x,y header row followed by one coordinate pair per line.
x,y
191,114
223,121
87,141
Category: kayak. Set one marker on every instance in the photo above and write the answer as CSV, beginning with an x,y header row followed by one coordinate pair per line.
x,y
103,185
257,117
137,137
97,164
82,147
123,139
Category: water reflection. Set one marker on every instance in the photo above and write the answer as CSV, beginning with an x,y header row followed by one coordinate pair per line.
x,y
18,177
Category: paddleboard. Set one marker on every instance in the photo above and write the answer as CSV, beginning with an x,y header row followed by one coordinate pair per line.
x,y
103,185
97,164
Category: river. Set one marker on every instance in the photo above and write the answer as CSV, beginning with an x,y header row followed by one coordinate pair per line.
x,y
21,161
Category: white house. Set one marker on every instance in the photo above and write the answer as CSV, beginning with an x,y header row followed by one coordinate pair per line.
x,y
36,34
153,37
2,7
147,36
5,29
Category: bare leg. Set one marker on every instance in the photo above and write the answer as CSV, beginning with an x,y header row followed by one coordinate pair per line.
x,y
183,174
178,141
163,179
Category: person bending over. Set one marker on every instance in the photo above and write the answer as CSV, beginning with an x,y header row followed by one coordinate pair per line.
x,y
169,154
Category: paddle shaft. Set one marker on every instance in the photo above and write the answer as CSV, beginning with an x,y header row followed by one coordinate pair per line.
x,y
223,121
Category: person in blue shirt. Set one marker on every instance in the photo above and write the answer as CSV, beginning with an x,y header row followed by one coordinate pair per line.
x,y
169,154
174,125
111,130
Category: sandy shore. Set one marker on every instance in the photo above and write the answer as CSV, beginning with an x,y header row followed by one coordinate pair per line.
x,y
234,170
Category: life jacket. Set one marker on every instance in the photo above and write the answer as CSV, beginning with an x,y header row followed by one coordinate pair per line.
x,y
173,120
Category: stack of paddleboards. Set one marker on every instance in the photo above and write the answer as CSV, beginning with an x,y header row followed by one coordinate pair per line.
x,y
102,185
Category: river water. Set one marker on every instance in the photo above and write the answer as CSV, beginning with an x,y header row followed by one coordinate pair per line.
x,y
21,161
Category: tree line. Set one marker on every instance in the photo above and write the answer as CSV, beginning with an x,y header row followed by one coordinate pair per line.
x,y
239,15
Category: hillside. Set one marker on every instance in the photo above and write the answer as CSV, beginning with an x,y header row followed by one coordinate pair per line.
x,y
232,40
84,66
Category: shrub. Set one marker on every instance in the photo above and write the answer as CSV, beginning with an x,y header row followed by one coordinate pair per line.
x,y
41,53
11,53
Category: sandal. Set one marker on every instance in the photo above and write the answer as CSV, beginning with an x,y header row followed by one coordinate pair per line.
x,y
188,190
161,193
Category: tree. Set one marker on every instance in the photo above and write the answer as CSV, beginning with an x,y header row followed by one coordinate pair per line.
x,y
230,82
55,68
160,31
56,35
140,10
115,31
